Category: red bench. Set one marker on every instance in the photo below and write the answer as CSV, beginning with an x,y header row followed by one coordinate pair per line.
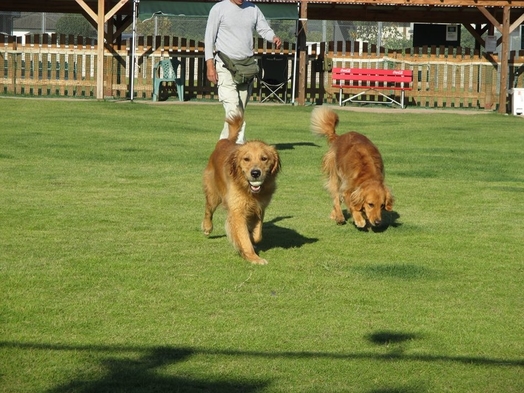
x,y
366,79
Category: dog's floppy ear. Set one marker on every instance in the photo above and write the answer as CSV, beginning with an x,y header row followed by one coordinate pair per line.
x,y
276,161
389,200
357,199
232,162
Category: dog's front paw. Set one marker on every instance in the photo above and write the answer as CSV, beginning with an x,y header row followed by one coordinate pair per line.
x,y
360,224
359,221
207,228
259,261
339,219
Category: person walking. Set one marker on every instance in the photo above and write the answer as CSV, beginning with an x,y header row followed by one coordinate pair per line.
x,y
229,31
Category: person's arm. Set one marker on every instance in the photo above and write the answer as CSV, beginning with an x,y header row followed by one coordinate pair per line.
x,y
211,71
265,31
277,41
209,46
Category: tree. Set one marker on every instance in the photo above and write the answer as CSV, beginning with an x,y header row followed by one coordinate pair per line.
x,y
392,35
77,25
467,40
157,24
285,29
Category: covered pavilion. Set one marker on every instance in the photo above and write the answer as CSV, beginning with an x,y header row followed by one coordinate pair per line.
x,y
112,17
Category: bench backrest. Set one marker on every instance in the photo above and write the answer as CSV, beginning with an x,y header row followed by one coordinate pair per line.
x,y
351,76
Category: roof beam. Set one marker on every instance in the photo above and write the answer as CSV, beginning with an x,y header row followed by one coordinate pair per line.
x,y
417,14
491,18
88,10
458,3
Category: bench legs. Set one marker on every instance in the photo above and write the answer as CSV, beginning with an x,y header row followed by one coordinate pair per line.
x,y
354,97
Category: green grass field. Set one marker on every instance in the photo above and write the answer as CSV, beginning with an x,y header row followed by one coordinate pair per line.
x,y
108,284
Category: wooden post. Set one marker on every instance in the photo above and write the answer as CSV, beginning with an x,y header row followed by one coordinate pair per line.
x,y
504,62
109,61
302,50
100,51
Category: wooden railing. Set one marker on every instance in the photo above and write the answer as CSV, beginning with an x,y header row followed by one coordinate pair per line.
x,y
66,66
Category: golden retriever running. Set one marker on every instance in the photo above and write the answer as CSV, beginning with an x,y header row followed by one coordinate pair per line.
x,y
242,178
355,172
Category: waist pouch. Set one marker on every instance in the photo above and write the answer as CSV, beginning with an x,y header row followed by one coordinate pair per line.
x,y
242,71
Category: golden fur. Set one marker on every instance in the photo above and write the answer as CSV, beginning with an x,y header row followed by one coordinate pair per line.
x,y
355,172
242,178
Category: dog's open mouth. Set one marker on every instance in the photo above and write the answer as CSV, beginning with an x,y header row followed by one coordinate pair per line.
x,y
255,186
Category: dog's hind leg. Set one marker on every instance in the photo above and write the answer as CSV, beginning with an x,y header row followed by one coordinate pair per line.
x,y
336,213
333,186
212,202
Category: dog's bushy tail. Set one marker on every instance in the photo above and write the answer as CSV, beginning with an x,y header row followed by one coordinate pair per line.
x,y
235,122
324,122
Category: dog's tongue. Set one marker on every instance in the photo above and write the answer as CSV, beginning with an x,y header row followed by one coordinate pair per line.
x,y
254,189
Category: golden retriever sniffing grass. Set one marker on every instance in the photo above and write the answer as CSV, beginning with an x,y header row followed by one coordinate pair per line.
x,y
242,178
355,172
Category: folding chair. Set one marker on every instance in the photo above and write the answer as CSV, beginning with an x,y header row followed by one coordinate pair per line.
x,y
275,77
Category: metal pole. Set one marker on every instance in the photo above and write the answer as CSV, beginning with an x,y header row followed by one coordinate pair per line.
x,y
133,45
294,82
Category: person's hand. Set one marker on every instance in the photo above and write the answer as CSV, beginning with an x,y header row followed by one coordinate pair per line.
x,y
211,71
277,41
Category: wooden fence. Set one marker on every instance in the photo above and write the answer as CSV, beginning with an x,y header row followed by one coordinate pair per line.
x,y
442,77
66,66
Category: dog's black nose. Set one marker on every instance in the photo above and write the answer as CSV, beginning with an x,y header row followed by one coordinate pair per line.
x,y
255,173
378,222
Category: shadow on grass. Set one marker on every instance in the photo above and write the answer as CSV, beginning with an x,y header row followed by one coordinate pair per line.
x,y
291,146
387,337
154,357
141,375
395,343
389,219
404,271
217,236
403,389
279,237
121,370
